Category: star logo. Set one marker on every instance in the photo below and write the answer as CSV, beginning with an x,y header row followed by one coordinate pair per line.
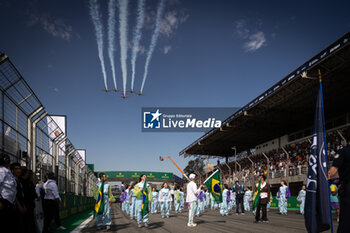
x,y
156,115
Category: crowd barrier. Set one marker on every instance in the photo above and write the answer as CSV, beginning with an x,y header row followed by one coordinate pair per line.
x,y
292,203
73,204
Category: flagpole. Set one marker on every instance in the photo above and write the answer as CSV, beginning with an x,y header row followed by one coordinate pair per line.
x,y
325,146
211,176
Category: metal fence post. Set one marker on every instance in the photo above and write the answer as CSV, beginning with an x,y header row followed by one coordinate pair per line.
x,y
287,168
76,178
229,170
68,180
29,134
56,167
239,165
251,161
33,167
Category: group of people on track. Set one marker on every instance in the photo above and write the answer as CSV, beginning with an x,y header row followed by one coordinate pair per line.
x,y
196,199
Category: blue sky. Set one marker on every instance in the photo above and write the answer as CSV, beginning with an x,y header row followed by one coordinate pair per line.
x,y
209,54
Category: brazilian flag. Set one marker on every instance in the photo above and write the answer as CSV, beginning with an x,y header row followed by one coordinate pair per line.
x,y
100,204
213,183
256,198
144,207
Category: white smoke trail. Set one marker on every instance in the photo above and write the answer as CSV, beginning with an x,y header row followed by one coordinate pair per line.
x,y
123,33
96,18
137,37
111,37
153,41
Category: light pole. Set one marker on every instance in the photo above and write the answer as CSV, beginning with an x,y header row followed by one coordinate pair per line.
x,y
234,148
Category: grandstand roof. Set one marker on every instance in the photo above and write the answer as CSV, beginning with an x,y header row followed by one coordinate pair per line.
x,y
286,107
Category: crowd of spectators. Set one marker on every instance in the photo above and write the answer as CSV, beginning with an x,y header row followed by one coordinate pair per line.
x,y
19,197
279,163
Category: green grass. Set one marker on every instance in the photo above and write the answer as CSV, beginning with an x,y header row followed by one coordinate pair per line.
x,y
73,221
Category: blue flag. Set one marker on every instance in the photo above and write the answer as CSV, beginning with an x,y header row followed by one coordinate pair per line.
x,y
317,208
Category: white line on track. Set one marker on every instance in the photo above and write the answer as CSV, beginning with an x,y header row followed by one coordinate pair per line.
x,y
82,225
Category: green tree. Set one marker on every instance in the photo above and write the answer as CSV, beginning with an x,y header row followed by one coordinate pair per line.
x,y
197,167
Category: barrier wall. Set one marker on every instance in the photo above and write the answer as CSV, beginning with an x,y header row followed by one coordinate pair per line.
x,y
292,203
73,204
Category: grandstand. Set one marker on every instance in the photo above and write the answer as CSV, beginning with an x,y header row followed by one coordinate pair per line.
x,y
272,133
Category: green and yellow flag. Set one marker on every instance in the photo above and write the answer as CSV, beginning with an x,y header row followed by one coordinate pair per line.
x,y
256,198
99,205
213,183
145,201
